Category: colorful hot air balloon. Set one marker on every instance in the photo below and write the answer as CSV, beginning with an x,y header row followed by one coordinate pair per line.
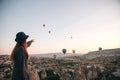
x,y
64,51
73,51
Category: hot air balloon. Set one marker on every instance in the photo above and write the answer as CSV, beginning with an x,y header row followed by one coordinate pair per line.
x,y
54,56
100,48
49,32
73,51
43,25
64,51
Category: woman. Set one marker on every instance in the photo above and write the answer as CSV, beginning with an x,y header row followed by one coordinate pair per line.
x,y
20,57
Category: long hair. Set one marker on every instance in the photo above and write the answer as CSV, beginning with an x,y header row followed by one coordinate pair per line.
x,y
24,44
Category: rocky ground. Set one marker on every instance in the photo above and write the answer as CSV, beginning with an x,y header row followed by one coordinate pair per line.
x,y
101,68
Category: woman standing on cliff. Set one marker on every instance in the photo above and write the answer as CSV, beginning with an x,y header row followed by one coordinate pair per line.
x,y
20,57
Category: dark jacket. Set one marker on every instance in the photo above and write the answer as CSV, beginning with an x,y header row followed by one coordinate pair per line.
x,y
20,68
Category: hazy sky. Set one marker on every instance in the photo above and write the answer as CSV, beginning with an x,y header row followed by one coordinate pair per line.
x,y
91,23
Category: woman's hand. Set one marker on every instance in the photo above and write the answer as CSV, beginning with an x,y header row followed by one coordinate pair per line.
x,y
30,42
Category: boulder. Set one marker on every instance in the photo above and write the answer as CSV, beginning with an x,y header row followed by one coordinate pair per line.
x,y
33,75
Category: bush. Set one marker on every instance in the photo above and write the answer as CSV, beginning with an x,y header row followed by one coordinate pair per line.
x,y
8,76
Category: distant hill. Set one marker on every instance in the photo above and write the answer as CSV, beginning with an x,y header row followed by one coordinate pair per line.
x,y
58,55
104,53
4,54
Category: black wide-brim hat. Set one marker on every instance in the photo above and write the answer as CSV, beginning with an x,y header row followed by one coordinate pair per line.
x,y
20,37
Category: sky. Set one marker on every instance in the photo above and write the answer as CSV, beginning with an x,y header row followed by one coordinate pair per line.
x,y
90,23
